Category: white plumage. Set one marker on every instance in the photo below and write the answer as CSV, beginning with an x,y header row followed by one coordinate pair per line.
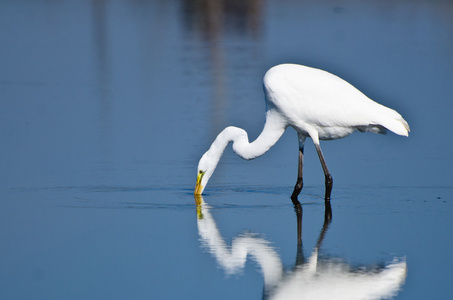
x,y
314,99
316,104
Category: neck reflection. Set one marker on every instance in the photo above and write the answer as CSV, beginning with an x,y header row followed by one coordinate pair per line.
x,y
311,278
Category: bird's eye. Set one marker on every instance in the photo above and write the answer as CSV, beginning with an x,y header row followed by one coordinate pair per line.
x,y
200,172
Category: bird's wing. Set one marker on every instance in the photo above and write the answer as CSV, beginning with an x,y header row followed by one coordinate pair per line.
x,y
319,98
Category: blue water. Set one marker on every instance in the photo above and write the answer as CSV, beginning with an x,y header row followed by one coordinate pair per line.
x,y
107,106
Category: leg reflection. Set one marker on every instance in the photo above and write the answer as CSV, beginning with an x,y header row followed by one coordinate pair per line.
x,y
300,253
300,259
312,275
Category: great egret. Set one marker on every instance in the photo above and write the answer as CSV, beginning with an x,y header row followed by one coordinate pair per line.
x,y
316,104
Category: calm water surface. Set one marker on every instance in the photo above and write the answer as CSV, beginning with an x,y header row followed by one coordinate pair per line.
x,y
107,106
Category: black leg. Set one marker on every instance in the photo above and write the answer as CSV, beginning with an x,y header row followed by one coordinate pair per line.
x,y
327,175
300,181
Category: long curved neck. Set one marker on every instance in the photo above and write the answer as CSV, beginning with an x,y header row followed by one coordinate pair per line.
x,y
233,258
272,131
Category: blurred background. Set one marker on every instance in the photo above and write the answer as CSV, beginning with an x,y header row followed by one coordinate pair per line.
x,y
110,104
102,86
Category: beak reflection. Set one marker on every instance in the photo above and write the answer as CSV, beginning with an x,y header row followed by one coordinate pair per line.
x,y
317,277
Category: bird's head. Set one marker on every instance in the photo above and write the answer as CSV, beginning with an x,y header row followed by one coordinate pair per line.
x,y
206,167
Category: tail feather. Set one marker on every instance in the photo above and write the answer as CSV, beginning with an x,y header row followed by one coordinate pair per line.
x,y
384,119
397,125
391,120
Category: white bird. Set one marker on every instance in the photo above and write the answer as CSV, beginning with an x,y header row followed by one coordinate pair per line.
x,y
317,104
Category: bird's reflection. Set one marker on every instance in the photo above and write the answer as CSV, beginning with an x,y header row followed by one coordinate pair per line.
x,y
314,277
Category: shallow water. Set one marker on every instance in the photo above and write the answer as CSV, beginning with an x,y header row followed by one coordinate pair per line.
x,y
106,107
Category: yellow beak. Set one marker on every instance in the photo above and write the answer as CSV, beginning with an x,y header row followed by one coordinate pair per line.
x,y
198,186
